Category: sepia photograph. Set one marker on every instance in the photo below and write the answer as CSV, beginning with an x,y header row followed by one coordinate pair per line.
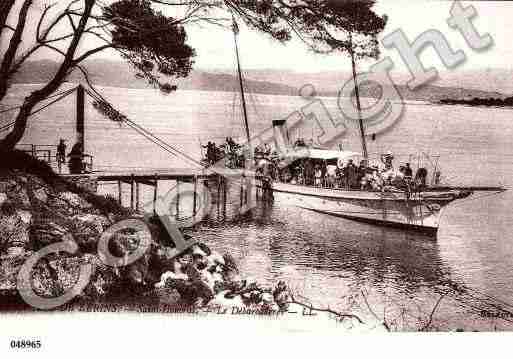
x,y
193,171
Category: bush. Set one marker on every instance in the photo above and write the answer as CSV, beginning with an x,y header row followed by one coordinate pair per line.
x,y
20,160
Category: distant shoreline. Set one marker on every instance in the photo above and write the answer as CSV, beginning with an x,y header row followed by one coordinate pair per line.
x,y
480,102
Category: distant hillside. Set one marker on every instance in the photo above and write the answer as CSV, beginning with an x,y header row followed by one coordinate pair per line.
x,y
276,82
449,85
117,74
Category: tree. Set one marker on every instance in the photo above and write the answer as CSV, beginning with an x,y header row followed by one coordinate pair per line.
x,y
359,39
153,43
145,38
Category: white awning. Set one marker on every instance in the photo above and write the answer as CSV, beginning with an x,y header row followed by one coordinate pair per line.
x,y
323,154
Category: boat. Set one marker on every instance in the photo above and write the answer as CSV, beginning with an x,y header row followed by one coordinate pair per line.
x,y
414,206
393,207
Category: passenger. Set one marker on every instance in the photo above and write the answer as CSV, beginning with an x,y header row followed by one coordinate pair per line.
x,y
331,175
350,175
398,180
377,181
436,181
61,153
366,182
309,173
362,169
267,150
76,156
387,160
318,176
408,172
231,144
324,171
420,178
210,152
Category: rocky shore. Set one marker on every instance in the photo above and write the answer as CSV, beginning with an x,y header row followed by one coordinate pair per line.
x,y
38,209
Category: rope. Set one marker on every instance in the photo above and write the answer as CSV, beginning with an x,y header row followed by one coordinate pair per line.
x,y
144,132
63,95
471,198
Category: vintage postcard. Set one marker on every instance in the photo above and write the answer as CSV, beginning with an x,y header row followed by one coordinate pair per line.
x,y
174,170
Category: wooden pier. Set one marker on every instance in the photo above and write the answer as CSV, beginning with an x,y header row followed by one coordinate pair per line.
x,y
135,179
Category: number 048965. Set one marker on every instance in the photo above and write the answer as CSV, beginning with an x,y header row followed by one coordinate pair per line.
x,y
25,344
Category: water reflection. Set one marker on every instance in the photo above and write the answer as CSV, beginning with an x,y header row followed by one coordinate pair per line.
x,y
328,259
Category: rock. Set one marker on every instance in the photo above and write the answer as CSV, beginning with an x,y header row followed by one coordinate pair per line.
x,y
99,222
215,257
197,251
170,276
3,198
6,186
25,216
222,300
45,233
15,251
75,200
185,259
204,248
169,296
10,265
230,262
14,232
281,295
41,195
102,279
19,197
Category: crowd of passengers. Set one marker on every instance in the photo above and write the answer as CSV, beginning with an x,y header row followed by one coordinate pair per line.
x,y
324,173
348,175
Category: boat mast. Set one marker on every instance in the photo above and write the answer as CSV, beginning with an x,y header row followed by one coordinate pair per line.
x,y
241,83
358,105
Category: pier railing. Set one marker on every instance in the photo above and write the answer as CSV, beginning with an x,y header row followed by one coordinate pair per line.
x,y
48,153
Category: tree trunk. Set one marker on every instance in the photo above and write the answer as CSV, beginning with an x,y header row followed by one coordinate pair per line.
x,y
5,9
9,141
20,124
10,53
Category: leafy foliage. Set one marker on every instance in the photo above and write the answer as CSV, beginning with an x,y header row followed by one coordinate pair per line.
x,y
149,41
324,25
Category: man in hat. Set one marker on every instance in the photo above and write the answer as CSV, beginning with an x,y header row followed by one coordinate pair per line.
x,y
61,153
408,172
387,160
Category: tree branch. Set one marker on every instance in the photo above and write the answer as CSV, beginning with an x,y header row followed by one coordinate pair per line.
x,y
431,315
13,47
5,9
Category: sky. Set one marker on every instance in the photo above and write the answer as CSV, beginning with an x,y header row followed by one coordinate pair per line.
x,y
215,46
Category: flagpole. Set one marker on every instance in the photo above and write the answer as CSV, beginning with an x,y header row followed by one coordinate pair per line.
x,y
241,83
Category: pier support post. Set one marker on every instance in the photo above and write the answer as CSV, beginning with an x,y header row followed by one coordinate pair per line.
x,y
132,182
218,198
137,196
119,193
225,189
195,196
177,197
155,191
241,191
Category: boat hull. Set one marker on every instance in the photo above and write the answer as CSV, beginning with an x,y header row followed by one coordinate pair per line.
x,y
418,211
